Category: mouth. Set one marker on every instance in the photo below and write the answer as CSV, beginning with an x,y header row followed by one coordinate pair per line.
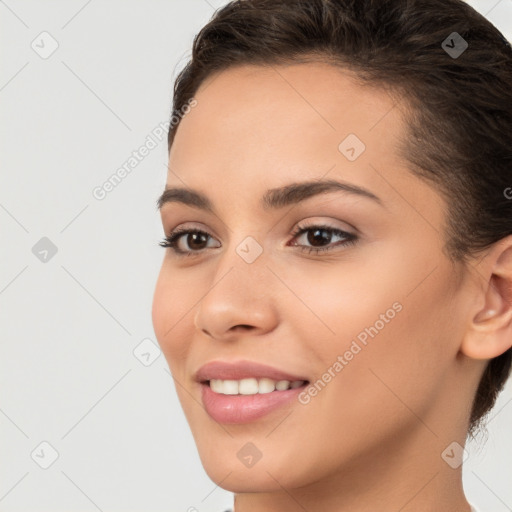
x,y
243,391
252,386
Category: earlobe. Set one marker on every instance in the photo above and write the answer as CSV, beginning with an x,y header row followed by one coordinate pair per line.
x,y
490,331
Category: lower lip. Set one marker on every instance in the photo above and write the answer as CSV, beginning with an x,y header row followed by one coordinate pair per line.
x,y
244,408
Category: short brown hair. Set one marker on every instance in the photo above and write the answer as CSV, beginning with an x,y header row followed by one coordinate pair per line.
x,y
459,106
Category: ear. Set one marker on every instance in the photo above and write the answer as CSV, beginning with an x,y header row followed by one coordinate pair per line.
x,y
489,332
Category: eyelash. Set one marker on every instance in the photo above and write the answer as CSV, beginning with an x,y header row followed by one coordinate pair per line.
x,y
171,240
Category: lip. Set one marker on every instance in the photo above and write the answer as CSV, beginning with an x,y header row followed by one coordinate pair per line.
x,y
244,408
242,369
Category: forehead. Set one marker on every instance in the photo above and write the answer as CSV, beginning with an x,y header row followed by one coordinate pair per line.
x,y
257,127
284,113
317,85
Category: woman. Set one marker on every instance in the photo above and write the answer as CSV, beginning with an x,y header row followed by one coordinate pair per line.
x,y
335,301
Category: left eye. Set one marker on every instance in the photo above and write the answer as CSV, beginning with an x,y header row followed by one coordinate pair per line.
x,y
317,237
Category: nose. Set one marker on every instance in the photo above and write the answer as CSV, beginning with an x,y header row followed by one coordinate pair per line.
x,y
241,298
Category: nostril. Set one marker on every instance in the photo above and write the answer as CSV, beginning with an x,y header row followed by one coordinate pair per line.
x,y
242,326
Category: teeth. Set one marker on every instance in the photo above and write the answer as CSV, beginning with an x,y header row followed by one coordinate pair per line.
x,y
230,387
282,385
252,386
248,387
217,386
266,386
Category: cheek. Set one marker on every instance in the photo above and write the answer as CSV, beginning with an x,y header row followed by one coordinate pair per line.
x,y
337,304
389,318
171,309
406,361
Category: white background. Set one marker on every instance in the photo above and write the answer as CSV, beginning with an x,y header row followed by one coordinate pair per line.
x,y
68,375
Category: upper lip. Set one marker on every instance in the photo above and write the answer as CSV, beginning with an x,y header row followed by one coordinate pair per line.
x,y
236,370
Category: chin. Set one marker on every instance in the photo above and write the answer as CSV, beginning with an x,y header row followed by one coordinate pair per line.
x,y
239,479
277,468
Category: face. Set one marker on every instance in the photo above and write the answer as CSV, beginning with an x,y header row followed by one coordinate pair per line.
x,y
343,289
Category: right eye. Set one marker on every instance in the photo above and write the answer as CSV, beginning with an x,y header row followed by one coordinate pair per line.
x,y
194,238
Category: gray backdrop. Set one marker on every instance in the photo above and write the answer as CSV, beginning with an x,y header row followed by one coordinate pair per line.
x,y
88,414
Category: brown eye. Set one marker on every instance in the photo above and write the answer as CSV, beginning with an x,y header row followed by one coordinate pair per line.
x,y
320,238
186,241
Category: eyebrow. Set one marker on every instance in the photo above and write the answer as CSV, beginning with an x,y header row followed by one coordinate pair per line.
x,y
275,198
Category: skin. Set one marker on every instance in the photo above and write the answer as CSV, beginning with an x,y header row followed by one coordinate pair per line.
x,y
372,438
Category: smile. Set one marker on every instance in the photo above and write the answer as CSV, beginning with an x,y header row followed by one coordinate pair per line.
x,y
252,386
244,391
